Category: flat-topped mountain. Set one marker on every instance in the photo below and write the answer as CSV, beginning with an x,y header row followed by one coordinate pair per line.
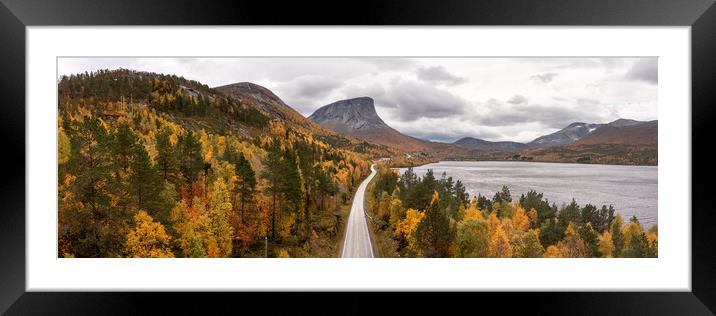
x,y
357,118
349,116
573,132
484,145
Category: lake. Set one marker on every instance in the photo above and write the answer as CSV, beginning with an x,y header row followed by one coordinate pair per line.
x,y
632,190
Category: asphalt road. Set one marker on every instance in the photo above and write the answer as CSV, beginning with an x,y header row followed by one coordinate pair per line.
x,y
357,243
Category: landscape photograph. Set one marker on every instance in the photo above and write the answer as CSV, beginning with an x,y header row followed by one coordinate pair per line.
x,y
357,157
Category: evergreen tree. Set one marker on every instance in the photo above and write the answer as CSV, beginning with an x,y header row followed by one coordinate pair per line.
x,y
617,235
461,194
272,173
246,183
166,154
192,162
124,144
434,233
571,214
534,200
145,183
503,196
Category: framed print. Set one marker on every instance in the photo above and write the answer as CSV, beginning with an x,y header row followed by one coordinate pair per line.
x,y
393,147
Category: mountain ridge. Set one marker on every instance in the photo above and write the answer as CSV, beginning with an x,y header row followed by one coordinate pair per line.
x,y
473,143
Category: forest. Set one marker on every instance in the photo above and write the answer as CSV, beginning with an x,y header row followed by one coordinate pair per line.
x,y
434,217
157,166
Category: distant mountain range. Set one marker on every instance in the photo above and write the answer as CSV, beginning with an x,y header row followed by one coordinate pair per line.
x,y
624,132
573,132
357,119
578,141
621,131
484,145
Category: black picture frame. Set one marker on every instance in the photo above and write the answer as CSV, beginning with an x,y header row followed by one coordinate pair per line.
x,y
16,15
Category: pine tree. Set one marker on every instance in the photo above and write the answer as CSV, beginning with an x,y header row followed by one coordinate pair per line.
x,y
124,144
166,154
95,227
192,162
272,174
144,181
246,182
617,235
434,233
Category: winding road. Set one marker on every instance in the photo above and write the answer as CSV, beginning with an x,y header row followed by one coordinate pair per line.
x,y
357,243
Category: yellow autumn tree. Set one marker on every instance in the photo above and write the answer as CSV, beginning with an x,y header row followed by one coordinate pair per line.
x,y
218,213
148,239
282,253
63,147
552,252
520,221
493,222
406,227
606,245
397,212
572,246
472,212
499,246
534,217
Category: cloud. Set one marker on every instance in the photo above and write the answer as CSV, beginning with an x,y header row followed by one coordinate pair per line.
x,y
646,70
517,99
305,92
438,74
450,129
544,78
497,113
412,100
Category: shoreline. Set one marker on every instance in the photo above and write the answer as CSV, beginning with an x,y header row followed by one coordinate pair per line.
x,y
526,161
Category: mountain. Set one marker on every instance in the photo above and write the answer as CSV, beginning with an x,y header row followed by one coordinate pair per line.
x,y
567,135
625,132
484,145
256,96
357,118
349,116
620,142
264,100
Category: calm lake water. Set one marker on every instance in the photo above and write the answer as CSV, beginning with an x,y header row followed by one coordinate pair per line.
x,y
631,189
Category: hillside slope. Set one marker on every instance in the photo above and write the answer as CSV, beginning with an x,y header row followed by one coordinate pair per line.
x,y
484,145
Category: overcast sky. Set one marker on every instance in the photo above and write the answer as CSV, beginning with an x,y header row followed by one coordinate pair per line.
x,y
439,99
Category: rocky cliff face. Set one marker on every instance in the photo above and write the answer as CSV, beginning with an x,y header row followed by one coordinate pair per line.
x,y
349,116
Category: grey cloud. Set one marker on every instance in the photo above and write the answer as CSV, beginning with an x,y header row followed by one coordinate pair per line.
x,y
544,78
438,74
446,130
305,92
549,116
412,100
588,101
517,99
646,70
